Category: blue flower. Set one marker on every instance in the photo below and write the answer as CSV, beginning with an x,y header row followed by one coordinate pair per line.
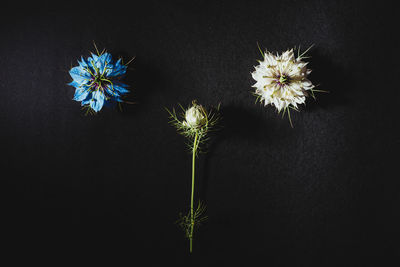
x,y
96,80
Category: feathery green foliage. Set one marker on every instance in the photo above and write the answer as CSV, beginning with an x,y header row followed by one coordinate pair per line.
x,y
186,222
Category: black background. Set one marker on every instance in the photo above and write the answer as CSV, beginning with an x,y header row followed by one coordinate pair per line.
x,y
108,188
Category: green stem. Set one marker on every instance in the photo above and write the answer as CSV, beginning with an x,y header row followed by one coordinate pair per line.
x,y
192,195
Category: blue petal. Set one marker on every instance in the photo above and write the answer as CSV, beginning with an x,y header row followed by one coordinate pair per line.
x,y
74,84
81,94
94,57
120,87
100,63
104,61
111,91
87,100
92,62
117,70
83,63
79,75
97,101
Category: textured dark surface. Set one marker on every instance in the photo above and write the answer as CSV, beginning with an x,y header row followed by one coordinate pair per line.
x,y
109,187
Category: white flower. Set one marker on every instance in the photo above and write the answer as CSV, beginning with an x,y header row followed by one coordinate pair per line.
x,y
282,80
194,116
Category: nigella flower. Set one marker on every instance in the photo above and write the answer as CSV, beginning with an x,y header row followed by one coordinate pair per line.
x,y
196,121
195,124
96,80
282,80
195,117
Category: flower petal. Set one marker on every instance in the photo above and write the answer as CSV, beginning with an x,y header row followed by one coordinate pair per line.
x,y
83,63
79,75
117,69
104,61
97,101
81,93
87,100
75,84
120,87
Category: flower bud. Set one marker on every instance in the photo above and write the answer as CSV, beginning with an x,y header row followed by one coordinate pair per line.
x,y
194,116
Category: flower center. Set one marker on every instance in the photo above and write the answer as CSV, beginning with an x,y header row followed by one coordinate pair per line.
x,y
283,79
97,81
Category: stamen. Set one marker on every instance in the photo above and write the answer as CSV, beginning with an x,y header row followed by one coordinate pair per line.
x,y
282,79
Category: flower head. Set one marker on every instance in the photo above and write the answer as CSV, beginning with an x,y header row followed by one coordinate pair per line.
x,y
281,80
96,80
196,121
195,116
